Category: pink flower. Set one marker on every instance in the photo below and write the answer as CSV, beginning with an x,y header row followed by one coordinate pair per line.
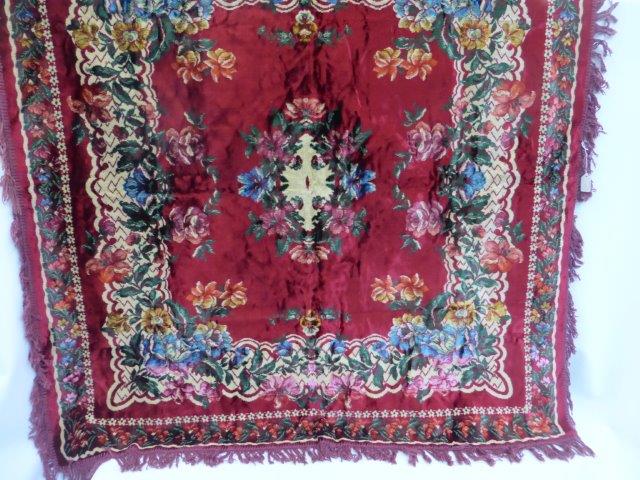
x,y
416,385
349,384
307,254
273,147
426,143
94,105
192,226
511,99
478,231
500,256
275,222
424,217
459,108
443,382
342,145
306,109
110,265
107,227
341,220
184,147
278,386
501,219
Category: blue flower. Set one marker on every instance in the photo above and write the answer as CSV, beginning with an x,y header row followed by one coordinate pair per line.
x,y
338,346
406,335
255,184
467,345
239,355
165,352
381,349
284,348
211,343
473,180
357,182
138,186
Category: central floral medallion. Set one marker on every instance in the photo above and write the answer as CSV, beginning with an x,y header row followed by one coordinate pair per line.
x,y
308,181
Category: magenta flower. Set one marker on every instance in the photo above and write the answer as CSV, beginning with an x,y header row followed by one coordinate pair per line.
x,y
192,226
423,217
275,222
341,220
426,143
305,109
277,387
443,382
273,147
185,147
416,385
349,384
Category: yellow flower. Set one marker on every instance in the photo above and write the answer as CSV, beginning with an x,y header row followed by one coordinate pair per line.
x,y
191,26
85,36
556,27
411,288
117,322
131,37
234,295
387,62
39,29
204,296
206,328
462,313
383,290
156,320
310,323
222,64
513,33
189,67
496,311
25,41
415,25
75,331
408,318
474,33
305,27
535,316
418,62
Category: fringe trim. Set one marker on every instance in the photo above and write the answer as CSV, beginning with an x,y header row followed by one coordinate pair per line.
x,y
327,450
601,31
43,432
596,84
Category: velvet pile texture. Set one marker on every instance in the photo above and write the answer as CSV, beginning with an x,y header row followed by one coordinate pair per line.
x,y
299,230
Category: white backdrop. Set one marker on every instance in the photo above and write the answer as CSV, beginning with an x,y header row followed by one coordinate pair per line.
x,y
605,381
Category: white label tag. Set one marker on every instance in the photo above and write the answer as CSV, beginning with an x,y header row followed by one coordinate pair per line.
x,y
586,185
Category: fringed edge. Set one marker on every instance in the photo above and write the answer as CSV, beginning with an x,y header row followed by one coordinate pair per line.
x,y
595,84
601,31
43,434
42,431
324,450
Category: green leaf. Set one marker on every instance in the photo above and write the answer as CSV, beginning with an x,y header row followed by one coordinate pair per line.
x,y
181,314
121,94
473,79
499,68
463,274
486,282
167,37
104,72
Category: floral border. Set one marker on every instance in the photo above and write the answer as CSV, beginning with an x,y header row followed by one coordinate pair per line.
x,y
38,87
